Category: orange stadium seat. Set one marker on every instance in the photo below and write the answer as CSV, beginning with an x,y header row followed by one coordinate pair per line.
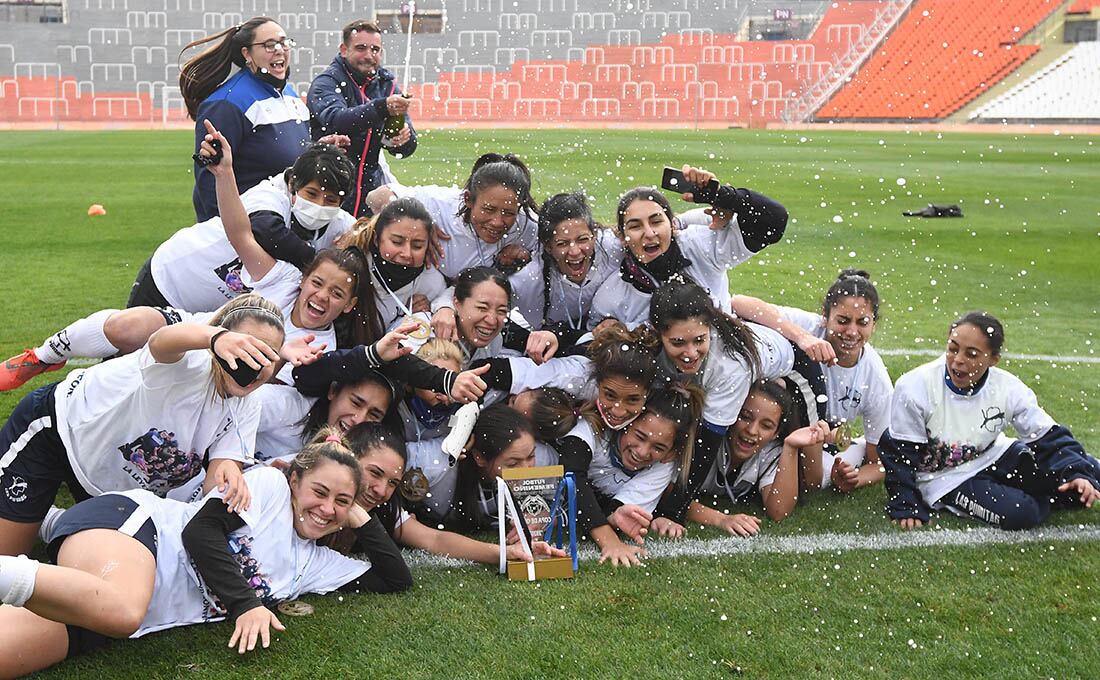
x,y
941,55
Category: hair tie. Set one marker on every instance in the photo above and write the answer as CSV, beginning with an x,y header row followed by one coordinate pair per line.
x,y
576,413
334,438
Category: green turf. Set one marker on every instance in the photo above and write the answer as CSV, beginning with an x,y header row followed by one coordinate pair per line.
x,y
1025,251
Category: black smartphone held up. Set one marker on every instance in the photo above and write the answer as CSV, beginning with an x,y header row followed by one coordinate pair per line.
x,y
206,161
674,180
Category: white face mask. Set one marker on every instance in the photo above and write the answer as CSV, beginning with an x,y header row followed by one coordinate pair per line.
x,y
313,216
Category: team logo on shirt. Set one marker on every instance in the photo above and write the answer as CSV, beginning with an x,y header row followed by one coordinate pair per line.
x,y
17,490
230,273
156,462
993,419
851,398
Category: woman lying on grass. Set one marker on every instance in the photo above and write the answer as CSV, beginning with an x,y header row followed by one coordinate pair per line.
x,y
128,564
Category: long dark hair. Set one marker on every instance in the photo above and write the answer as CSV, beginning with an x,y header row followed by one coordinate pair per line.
x,y
498,427
676,301
317,417
555,210
361,326
492,170
206,71
681,403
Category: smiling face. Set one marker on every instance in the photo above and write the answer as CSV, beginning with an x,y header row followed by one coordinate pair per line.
x,y
756,425
647,231
572,246
404,242
969,355
849,326
363,52
481,316
687,344
520,454
326,293
320,499
382,469
315,193
493,212
350,405
432,398
261,331
619,400
648,440
276,63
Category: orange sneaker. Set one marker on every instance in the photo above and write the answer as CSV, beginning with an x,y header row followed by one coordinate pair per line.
x,y
21,368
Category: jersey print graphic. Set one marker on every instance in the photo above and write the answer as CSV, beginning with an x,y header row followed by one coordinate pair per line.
x,y
230,273
156,462
240,548
851,395
993,419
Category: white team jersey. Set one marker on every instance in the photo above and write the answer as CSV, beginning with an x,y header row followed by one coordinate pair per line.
x,y
442,476
465,249
569,302
277,563
711,254
393,305
133,423
775,352
963,433
755,475
281,285
197,269
725,381
607,476
862,390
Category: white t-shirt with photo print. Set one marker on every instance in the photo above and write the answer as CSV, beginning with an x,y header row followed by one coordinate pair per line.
x,y
278,564
133,423
197,269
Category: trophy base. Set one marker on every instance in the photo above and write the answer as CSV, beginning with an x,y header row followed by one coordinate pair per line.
x,y
549,568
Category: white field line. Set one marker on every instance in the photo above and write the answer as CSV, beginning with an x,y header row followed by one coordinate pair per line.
x,y
922,352
822,543
1052,358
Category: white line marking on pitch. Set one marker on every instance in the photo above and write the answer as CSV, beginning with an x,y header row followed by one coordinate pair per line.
x,y
1052,358
823,543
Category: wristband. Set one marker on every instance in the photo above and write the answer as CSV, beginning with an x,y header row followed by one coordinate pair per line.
x,y
215,337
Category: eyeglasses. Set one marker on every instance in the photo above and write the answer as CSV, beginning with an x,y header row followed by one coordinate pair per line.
x,y
272,45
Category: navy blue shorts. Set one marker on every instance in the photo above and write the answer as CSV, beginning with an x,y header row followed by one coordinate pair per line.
x,y
33,460
144,292
109,511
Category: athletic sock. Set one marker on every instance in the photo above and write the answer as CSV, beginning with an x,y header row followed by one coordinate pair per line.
x,y
17,576
82,338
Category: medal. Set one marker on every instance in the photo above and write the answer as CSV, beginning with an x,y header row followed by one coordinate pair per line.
x,y
842,436
423,328
295,608
414,485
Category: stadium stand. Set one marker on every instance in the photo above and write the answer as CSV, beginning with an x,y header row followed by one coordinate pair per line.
x,y
943,54
1066,90
541,60
1083,6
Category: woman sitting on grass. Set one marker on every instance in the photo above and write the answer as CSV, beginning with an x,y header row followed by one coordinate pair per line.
x,y
946,447
128,564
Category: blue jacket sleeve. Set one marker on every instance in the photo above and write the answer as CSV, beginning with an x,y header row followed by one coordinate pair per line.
x,y
903,498
762,220
328,106
1059,454
229,121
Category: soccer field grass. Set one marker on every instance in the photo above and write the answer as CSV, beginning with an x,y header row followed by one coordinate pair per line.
x,y
1025,251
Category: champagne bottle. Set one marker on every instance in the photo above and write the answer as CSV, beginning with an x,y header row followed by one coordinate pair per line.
x,y
392,127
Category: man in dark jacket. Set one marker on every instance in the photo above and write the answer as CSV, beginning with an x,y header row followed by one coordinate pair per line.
x,y
354,96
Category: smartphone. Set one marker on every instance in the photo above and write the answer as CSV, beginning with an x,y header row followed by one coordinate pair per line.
x,y
674,180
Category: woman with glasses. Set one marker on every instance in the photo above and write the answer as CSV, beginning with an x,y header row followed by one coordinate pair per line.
x,y
258,111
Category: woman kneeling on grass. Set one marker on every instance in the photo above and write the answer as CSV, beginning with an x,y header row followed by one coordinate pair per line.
x,y
131,563
946,448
